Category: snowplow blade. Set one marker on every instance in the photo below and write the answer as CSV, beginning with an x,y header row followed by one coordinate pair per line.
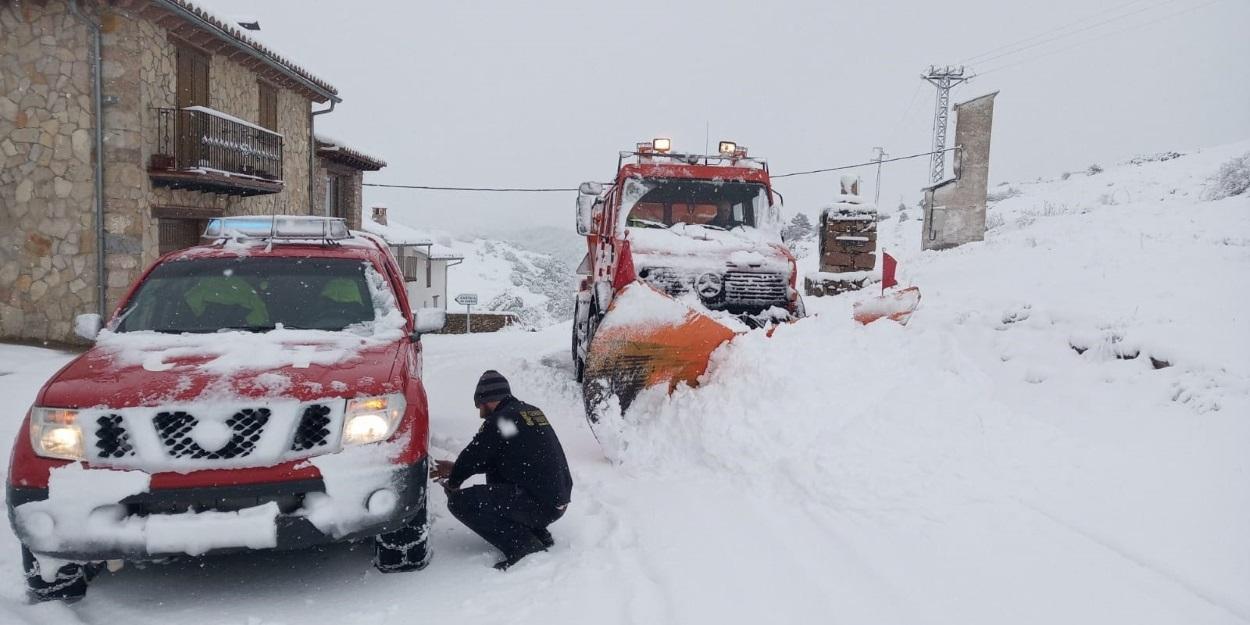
x,y
897,306
645,339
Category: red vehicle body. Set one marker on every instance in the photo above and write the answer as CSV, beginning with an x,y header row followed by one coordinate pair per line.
x,y
120,394
704,230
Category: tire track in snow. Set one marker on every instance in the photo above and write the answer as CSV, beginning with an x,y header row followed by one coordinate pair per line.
x,y
1227,604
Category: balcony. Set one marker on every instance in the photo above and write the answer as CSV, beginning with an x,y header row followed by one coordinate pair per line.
x,y
206,150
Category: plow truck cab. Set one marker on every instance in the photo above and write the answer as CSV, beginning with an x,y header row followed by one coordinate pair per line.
x,y
684,251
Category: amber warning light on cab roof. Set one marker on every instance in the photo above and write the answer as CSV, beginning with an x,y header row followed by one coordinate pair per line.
x,y
659,145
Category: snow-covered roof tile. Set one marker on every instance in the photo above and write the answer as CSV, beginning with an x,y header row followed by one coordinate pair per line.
x,y
339,152
226,30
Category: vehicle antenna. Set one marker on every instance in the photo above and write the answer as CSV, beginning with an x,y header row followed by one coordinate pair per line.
x,y
707,139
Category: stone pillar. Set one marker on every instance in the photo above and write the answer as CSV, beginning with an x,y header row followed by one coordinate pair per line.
x,y
848,243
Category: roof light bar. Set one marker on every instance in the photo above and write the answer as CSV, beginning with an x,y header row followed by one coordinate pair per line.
x,y
278,227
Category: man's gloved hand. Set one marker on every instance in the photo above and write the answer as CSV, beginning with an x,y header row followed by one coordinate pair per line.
x,y
441,469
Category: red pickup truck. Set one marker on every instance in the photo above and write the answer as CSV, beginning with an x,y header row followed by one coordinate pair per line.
x,y
260,391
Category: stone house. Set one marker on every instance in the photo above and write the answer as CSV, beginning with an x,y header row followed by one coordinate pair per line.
x,y
109,159
423,261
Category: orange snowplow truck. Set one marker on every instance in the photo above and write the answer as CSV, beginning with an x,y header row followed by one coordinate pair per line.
x,y
684,251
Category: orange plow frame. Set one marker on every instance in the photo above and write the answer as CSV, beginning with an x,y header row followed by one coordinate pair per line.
x,y
625,359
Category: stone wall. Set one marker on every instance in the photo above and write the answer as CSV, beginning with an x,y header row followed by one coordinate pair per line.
x,y
47,222
482,322
47,237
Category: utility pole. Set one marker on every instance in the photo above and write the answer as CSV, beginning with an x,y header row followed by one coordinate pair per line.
x,y
943,78
878,154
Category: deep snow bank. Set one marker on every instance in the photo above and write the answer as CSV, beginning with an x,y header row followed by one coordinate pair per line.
x,y
1083,369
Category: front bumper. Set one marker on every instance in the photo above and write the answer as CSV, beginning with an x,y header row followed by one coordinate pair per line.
x,y
226,519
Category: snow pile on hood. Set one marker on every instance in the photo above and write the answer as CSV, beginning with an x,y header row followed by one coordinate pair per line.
x,y
699,248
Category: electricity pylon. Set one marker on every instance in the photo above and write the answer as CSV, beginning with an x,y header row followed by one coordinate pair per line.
x,y
943,78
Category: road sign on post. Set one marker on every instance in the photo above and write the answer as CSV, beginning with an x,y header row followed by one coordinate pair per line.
x,y
467,300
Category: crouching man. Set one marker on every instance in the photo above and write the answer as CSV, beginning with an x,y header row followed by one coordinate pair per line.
x,y
527,477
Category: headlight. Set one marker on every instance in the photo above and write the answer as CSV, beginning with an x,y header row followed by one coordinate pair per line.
x,y
54,433
372,419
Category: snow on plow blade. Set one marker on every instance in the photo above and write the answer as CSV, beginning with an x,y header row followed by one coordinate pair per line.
x,y
646,339
898,306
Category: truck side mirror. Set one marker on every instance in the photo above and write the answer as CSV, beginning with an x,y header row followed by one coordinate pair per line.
x,y
429,320
587,198
88,326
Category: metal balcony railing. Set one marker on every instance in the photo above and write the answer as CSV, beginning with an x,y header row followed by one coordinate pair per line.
x,y
200,140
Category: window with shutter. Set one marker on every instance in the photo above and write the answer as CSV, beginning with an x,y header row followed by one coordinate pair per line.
x,y
343,205
192,77
268,115
191,89
176,234
338,196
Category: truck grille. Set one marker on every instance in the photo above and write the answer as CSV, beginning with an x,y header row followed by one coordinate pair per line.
x,y
315,427
112,439
313,430
667,280
175,429
755,289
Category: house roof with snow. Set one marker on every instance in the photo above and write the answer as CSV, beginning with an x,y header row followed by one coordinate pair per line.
x,y
217,35
397,234
334,150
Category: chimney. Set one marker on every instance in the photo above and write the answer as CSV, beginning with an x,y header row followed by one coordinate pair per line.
x,y
379,214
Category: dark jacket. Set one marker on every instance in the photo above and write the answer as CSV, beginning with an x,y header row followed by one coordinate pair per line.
x,y
516,445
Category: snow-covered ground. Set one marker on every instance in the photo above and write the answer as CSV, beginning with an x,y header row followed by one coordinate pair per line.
x,y
971,467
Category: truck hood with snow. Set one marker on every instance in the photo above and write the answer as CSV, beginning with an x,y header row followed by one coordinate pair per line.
x,y
689,247
150,369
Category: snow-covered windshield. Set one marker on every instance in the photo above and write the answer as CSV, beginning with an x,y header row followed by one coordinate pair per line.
x,y
720,204
253,294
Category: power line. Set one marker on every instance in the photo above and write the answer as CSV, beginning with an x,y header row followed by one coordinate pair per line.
x,y
905,116
857,165
1075,32
424,187
479,189
1100,37
1078,21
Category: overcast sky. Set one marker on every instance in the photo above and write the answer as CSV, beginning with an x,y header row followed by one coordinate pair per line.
x,y
545,93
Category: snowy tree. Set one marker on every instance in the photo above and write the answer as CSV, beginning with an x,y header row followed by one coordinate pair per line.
x,y
1232,179
800,228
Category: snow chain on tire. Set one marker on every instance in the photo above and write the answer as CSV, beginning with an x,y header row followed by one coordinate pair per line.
x,y
70,583
406,549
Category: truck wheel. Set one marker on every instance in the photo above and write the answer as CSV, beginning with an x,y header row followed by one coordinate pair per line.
x,y
70,583
582,331
406,549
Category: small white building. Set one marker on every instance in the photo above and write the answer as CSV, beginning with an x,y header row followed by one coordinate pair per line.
x,y
423,261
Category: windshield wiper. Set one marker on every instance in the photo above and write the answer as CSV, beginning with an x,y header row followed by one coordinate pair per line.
x,y
647,223
245,328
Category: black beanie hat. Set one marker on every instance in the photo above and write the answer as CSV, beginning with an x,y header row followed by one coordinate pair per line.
x,y
492,386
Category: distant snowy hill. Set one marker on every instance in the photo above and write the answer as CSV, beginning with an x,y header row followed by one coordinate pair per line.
x,y
535,284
